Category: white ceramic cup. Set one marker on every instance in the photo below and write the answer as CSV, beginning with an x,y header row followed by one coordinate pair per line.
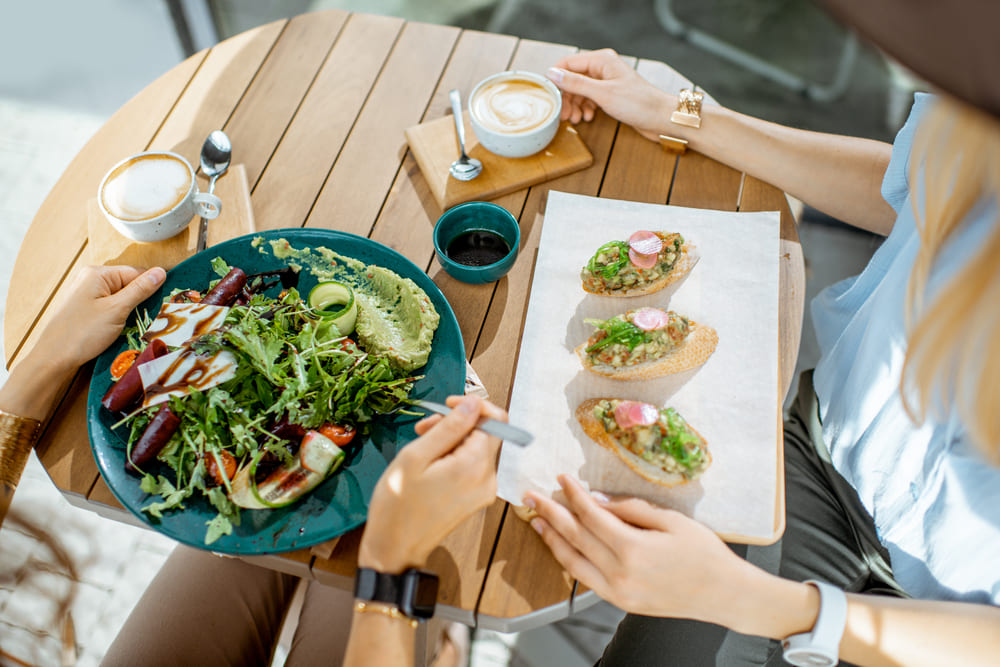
x,y
152,196
515,113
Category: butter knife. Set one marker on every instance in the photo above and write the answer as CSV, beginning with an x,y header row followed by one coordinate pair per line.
x,y
513,434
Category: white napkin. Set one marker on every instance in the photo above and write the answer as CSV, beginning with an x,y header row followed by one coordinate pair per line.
x,y
732,400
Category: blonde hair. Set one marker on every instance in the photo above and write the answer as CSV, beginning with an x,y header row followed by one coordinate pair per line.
x,y
953,358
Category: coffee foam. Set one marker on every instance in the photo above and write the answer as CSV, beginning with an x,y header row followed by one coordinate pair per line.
x,y
146,187
513,106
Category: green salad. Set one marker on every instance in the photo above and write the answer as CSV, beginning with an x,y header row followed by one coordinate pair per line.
x,y
300,391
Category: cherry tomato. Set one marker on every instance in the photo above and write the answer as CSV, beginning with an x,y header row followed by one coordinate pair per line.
x,y
187,296
340,435
122,363
228,463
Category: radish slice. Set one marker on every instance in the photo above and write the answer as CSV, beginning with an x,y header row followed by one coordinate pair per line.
x,y
645,243
642,261
649,319
634,413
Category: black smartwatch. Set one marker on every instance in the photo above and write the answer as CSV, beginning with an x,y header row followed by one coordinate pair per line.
x,y
414,592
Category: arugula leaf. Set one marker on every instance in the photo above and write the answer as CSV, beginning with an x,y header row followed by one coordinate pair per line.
x,y
220,266
619,331
218,527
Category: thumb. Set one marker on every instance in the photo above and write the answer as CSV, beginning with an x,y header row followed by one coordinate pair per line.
x,y
139,289
576,84
448,433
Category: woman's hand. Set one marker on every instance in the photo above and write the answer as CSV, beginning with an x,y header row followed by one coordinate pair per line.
x,y
93,312
602,79
644,559
433,484
89,318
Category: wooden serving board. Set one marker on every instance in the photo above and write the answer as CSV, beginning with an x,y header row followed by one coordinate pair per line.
x,y
435,146
106,246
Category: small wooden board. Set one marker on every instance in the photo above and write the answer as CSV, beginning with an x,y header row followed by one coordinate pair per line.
x,y
106,246
435,146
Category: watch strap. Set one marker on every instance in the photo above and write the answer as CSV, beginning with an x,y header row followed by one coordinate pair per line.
x,y
372,585
413,592
821,646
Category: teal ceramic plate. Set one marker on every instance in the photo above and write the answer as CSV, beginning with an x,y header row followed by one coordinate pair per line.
x,y
340,503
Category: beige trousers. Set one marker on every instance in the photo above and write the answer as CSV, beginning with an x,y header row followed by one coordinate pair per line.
x,y
203,609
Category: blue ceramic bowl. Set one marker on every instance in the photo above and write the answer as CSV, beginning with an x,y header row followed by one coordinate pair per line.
x,y
476,216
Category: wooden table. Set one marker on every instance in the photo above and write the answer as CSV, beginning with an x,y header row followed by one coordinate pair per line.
x,y
316,107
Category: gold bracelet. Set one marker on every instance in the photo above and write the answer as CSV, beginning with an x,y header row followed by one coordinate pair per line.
x,y
362,607
688,108
17,437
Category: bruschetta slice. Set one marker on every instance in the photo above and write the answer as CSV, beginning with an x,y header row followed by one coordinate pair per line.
x,y
646,343
654,442
645,263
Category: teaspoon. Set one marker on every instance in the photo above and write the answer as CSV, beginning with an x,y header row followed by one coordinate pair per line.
x,y
216,154
464,168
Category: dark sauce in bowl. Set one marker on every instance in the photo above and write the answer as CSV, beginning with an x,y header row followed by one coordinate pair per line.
x,y
477,247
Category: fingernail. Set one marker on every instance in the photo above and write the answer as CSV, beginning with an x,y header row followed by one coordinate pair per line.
x,y
537,525
529,501
600,497
155,276
555,75
469,405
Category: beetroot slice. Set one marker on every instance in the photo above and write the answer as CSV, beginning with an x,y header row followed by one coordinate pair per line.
x,y
635,413
649,319
645,243
642,261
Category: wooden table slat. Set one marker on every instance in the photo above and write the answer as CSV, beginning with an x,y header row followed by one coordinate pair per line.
x,y
215,91
267,107
41,265
292,180
366,167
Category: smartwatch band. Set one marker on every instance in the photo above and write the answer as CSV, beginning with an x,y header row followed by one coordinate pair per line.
x,y
821,646
413,592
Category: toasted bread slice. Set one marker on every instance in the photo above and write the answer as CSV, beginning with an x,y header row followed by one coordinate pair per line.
x,y
689,257
649,471
693,352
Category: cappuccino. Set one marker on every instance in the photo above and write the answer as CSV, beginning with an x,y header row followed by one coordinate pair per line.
x,y
515,113
513,106
152,196
145,187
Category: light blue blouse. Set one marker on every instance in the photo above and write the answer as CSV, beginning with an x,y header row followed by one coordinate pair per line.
x,y
935,501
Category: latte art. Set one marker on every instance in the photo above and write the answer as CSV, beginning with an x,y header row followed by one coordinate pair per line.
x,y
146,187
513,105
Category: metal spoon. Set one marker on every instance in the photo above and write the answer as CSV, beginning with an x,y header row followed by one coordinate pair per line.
x,y
464,168
216,154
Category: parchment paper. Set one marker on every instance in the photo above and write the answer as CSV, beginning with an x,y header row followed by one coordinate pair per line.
x,y
732,400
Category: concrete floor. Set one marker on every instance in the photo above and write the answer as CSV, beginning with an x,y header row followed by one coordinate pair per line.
x,y
79,62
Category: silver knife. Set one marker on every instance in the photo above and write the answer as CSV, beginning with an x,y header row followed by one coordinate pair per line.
x,y
513,434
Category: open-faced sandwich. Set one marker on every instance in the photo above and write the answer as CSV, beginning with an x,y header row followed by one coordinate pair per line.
x,y
646,263
654,442
646,343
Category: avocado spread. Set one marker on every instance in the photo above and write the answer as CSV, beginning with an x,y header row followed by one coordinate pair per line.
x,y
396,318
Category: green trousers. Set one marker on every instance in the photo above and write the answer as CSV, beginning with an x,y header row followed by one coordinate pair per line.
x,y
829,536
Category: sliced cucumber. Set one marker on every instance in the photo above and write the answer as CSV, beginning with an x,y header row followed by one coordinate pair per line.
x,y
335,303
318,458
